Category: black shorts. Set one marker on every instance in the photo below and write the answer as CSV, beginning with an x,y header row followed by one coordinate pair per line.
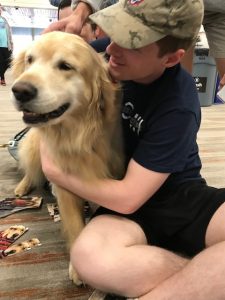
x,y
177,218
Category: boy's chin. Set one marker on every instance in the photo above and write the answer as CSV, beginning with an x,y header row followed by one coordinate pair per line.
x,y
117,76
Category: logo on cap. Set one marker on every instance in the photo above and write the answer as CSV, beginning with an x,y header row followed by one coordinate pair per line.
x,y
135,2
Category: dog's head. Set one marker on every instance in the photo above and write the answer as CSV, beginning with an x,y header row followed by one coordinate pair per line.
x,y
59,75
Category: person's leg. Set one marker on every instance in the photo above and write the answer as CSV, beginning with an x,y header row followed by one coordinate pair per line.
x,y
4,57
6,63
2,63
222,82
203,277
112,255
214,25
220,63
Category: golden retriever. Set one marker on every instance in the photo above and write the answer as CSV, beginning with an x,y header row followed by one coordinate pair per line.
x,y
63,88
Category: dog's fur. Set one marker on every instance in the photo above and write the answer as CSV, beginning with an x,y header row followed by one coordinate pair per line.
x,y
84,136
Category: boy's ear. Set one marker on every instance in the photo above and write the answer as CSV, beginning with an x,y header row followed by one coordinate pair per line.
x,y
174,58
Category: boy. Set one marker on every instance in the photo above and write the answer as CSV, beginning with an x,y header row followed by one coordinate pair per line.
x,y
162,207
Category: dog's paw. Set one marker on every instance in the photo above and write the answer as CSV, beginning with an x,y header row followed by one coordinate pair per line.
x,y
20,191
23,188
73,276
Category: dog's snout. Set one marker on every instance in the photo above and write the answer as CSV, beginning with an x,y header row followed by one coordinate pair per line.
x,y
24,91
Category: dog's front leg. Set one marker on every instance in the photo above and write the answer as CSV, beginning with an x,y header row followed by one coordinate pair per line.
x,y
30,163
27,184
71,210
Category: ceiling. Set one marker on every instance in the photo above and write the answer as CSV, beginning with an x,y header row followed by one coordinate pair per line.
x,y
29,13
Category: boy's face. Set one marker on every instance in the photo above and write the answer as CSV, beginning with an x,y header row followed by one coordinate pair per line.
x,y
141,65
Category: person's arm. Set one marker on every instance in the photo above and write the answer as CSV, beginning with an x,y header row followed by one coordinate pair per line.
x,y
74,22
124,196
94,4
9,36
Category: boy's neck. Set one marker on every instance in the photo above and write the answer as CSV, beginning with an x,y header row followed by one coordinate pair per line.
x,y
151,78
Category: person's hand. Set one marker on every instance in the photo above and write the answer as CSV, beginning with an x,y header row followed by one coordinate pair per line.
x,y
70,24
74,22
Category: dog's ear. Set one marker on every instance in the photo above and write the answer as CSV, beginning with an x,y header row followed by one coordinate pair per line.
x,y
104,89
18,64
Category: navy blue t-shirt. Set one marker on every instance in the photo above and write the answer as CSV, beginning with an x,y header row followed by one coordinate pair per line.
x,y
160,124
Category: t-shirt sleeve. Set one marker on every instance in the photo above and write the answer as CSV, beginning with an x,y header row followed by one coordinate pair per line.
x,y
169,142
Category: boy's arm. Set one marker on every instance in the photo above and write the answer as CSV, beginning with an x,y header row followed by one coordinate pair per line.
x,y
124,196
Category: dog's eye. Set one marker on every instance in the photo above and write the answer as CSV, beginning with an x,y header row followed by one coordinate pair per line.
x,y
64,66
30,59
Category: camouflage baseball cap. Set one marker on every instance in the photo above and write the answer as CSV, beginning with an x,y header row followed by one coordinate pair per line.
x,y
134,24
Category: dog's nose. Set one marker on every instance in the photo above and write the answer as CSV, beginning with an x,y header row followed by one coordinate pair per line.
x,y
24,91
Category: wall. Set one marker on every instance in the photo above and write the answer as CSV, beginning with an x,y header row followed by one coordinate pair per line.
x,y
22,37
27,3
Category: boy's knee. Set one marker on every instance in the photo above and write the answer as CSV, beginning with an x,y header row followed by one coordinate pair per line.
x,y
88,260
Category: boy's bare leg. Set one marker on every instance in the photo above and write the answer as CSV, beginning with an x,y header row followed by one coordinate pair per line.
x,y
112,255
203,277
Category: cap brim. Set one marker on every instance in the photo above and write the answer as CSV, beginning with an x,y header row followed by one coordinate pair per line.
x,y
124,29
